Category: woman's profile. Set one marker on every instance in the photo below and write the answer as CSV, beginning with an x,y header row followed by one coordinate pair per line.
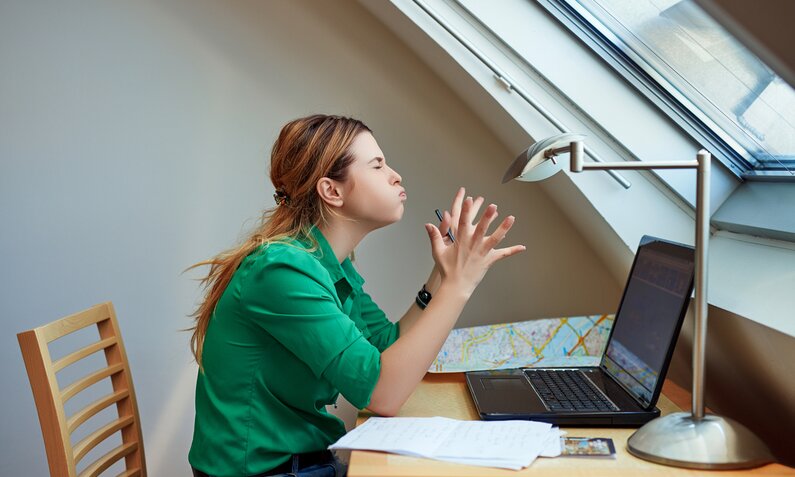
x,y
285,326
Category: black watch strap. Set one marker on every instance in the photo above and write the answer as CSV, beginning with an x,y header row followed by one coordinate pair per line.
x,y
423,297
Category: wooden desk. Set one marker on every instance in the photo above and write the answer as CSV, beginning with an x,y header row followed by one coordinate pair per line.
x,y
447,395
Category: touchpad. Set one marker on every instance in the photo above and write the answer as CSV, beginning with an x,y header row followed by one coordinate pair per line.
x,y
507,394
502,384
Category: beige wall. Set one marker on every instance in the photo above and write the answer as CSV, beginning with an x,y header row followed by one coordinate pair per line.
x,y
134,141
750,376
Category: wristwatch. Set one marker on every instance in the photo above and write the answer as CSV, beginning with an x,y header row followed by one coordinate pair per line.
x,y
423,297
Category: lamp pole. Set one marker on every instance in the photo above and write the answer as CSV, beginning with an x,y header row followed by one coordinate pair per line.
x,y
702,249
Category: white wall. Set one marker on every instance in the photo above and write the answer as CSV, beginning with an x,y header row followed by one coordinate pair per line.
x,y
134,140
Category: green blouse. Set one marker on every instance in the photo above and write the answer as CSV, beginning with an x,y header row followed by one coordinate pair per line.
x,y
292,331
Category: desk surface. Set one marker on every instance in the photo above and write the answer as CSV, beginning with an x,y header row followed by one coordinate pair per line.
x,y
446,395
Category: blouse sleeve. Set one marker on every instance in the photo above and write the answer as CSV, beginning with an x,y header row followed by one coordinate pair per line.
x,y
382,331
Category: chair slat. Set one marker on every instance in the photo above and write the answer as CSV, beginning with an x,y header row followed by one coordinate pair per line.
x,y
91,441
69,392
109,459
82,353
84,414
131,473
74,322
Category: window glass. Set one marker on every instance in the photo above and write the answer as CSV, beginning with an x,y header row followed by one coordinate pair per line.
x,y
728,87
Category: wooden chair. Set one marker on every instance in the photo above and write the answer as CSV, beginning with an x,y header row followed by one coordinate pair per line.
x,y
56,427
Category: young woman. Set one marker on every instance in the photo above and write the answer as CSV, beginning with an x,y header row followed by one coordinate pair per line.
x,y
285,326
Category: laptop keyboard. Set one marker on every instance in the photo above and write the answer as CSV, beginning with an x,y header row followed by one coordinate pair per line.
x,y
568,390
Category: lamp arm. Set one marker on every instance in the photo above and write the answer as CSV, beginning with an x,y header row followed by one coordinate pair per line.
x,y
577,151
639,165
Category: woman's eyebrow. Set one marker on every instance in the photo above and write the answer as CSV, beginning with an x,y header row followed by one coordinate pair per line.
x,y
379,159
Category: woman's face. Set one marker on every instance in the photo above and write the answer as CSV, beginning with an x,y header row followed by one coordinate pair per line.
x,y
373,194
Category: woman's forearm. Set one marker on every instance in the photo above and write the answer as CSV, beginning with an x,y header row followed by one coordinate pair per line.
x,y
404,364
463,265
414,312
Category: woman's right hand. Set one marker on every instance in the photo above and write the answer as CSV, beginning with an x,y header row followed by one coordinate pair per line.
x,y
465,262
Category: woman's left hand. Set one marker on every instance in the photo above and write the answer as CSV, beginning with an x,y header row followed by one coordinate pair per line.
x,y
450,219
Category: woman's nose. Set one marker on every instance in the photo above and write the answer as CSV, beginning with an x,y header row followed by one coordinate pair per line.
x,y
396,177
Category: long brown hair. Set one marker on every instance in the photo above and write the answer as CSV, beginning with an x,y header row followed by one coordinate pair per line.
x,y
306,150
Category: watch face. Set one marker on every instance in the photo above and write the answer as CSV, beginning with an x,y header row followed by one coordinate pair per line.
x,y
423,297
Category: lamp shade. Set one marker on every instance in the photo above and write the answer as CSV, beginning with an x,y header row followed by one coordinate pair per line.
x,y
531,165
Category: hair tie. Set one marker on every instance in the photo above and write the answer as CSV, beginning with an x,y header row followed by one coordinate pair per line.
x,y
281,197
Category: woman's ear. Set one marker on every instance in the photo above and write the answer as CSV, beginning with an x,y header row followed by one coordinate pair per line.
x,y
330,192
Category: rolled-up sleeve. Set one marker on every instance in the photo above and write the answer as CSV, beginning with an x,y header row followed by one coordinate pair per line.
x,y
291,300
355,372
382,331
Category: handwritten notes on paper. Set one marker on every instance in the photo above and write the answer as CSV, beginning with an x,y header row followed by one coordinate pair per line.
x,y
506,444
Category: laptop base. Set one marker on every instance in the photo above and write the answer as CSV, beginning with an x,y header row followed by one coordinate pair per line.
x,y
508,395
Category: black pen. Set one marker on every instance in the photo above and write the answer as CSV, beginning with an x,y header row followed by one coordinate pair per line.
x,y
449,229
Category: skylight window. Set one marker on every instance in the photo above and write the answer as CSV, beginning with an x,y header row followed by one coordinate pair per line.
x,y
719,88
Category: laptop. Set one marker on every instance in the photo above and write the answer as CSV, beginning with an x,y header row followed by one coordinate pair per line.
x,y
623,390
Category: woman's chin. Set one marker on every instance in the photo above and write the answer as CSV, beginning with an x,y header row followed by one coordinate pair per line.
x,y
394,220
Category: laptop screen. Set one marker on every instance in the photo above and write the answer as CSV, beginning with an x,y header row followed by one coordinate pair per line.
x,y
655,300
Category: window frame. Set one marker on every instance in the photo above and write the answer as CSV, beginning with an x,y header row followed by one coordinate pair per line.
x,y
660,91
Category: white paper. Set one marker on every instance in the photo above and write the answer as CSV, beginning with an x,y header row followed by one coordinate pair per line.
x,y
406,435
500,439
552,447
506,444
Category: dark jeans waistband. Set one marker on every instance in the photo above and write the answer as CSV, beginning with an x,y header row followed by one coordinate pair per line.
x,y
306,459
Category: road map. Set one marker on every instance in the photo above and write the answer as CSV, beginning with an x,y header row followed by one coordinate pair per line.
x,y
567,341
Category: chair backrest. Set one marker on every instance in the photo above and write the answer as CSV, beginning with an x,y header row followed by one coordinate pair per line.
x,y
56,426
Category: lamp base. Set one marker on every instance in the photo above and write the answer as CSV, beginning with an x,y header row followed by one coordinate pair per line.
x,y
712,442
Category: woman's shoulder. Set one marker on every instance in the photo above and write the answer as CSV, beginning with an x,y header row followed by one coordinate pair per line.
x,y
272,276
288,256
281,251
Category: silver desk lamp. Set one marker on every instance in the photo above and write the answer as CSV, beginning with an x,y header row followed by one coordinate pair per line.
x,y
695,439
